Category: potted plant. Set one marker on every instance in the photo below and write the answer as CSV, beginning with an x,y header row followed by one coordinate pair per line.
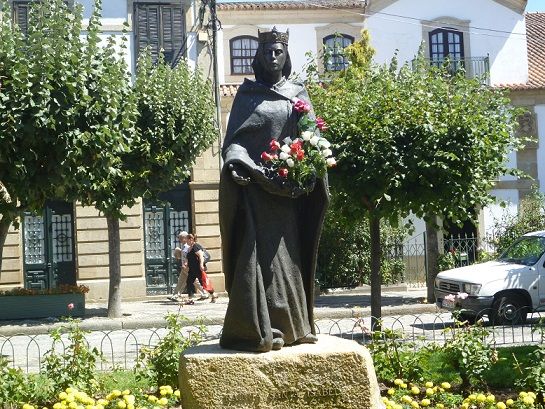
x,y
22,303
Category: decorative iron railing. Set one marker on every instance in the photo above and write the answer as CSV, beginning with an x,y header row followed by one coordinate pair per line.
x,y
474,67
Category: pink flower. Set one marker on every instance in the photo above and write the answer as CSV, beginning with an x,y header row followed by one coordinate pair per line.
x,y
266,157
283,172
321,124
462,296
450,297
70,306
300,106
274,145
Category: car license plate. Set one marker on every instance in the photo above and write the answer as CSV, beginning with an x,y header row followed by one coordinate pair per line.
x,y
448,304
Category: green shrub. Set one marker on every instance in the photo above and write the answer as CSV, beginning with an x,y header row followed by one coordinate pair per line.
x,y
395,357
530,217
73,365
160,363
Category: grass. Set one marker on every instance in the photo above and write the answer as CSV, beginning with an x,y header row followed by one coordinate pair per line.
x,y
123,379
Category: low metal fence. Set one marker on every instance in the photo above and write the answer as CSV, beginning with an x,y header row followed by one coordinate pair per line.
x,y
120,348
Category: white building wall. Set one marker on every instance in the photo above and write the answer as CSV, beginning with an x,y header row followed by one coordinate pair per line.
x,y
399,27
494,212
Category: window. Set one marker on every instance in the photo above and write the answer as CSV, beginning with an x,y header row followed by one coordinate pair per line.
x,y
445,43
335,45
243,50
20,15
162,28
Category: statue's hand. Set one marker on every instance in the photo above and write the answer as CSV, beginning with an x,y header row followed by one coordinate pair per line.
x,y
240,174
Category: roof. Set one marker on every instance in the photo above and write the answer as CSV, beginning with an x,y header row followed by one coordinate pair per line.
x,y
535,38
290,5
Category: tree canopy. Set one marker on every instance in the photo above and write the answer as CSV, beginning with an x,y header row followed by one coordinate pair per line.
x,y
415,138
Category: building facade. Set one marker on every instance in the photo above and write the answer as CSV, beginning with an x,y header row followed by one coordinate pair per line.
x,y
68,243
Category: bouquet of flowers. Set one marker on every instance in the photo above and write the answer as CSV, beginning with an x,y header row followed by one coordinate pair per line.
x,y
302,159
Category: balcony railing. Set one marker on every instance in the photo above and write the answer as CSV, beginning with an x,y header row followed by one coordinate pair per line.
x,y
475,67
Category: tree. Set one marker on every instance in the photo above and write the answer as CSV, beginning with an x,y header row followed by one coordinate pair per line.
x,y
43,96
416,139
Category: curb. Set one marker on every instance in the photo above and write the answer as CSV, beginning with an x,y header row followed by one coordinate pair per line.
x,y
115,324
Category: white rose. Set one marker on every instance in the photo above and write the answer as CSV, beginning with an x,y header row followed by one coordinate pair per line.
x,y
314,140
285,148
327,153
331,162
290,162
307,135
324,143
287,140
283,156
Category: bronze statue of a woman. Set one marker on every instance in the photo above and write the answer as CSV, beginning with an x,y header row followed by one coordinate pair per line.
x,y
270,230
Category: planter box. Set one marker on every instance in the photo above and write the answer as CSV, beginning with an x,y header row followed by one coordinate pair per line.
x,y
16,307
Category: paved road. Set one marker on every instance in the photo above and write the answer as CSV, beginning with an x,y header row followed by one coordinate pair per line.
x,y
120,346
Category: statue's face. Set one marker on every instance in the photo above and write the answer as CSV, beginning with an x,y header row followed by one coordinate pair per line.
x,y
273,57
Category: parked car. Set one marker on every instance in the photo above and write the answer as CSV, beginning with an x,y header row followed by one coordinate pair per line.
x,y
505,289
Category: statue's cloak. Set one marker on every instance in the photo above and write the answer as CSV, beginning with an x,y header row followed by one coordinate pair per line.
x,y
269,239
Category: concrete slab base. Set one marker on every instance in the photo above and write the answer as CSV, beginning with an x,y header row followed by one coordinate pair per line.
x,y
333,373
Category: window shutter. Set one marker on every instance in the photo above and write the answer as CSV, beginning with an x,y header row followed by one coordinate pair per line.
x,y
148,29
161,27
20,15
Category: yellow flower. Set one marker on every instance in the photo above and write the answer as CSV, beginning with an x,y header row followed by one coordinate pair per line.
x,y
481,398
472,397
429,391
70,390
398,382
509,402
163,401
398,406
116,393
491,398
62,395
532,395
102,402
464,406
152,398
163,392
73,405
440,406
99,406
406,399
403,386
57,405
129,399
425,402
428,384
177,393
523,394
445,385
528,400
501,405
415,404
70,398
391,391
415,390
28,406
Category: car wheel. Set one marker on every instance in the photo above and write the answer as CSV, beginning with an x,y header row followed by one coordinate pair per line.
x,y
509,309
470,318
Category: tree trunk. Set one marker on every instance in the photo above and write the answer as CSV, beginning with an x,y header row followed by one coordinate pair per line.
x,y
4,227
376,314
432,255
114,297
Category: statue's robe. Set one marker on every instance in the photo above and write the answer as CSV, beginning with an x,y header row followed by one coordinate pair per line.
x,y
269,239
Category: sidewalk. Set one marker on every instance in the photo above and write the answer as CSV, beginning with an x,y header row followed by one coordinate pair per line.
x,y
150,313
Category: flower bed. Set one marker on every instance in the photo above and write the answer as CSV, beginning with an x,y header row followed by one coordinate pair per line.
x,y
63,301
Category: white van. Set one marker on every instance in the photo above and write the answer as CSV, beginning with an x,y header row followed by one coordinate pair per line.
x,y
505,290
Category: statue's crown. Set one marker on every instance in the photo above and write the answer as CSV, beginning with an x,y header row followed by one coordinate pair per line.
x,y
273,36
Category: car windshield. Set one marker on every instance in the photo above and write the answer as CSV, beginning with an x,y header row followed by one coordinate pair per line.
x,y
526,250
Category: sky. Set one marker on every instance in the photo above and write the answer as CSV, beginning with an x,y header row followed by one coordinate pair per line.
x,y
536,5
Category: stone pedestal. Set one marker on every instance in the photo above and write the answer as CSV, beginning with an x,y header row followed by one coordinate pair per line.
x,y
333,373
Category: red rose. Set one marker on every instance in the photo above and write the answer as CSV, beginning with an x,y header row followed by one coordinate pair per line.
x,y
301,106
296,146
274,145
300,154
283,172
274,157
321,124
266,157
70,306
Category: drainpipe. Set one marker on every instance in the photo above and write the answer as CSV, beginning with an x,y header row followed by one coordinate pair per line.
x,y
214,22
